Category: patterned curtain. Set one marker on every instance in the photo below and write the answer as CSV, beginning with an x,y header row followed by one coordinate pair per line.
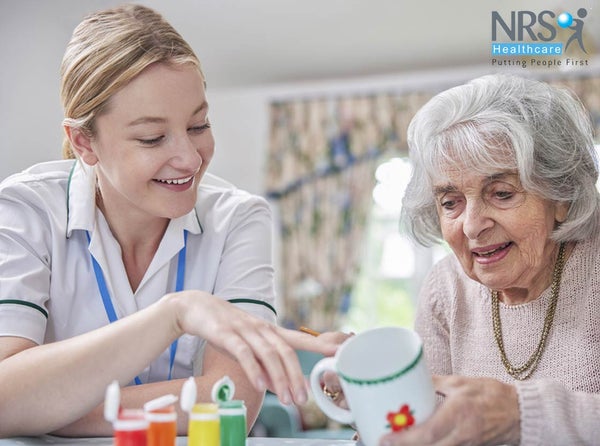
x,y
323,155
320,174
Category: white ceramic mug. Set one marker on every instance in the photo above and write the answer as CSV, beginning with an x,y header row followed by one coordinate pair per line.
x,y
385,381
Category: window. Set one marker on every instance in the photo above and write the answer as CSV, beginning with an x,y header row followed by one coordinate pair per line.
x,y
393,267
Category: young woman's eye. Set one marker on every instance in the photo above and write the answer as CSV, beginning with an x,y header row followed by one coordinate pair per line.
x,y
199,128
151,141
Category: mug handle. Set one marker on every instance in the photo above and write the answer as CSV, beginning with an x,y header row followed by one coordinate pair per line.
x,y
327,406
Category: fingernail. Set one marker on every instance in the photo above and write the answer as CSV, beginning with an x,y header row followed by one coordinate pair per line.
x,y
285,397
301,396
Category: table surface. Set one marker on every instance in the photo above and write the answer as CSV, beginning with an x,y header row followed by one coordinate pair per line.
x,y
181,441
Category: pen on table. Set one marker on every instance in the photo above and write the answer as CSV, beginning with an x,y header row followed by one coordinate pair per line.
x,y
309,331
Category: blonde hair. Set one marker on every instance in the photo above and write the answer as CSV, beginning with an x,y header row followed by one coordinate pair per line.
x,y
107,50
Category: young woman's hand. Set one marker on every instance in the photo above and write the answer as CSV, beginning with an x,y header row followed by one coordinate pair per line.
x,y
265,351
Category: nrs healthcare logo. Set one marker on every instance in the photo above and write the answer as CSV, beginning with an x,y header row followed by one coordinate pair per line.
x,y
529,33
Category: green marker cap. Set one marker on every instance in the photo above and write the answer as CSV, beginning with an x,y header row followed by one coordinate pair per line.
x,y
223,390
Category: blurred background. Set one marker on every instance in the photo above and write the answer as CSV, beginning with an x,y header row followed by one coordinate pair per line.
x,y
309,103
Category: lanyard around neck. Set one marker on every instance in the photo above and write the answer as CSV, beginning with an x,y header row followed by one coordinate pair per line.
x,y
110,309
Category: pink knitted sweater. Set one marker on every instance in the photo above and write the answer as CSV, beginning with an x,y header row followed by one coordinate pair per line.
x,y
560,402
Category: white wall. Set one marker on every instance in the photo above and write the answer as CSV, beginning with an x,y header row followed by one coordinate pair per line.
x,y
240,117
30,114
33,36
240,125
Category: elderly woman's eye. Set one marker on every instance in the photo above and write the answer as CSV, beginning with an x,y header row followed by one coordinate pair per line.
x,y
504,195
448,204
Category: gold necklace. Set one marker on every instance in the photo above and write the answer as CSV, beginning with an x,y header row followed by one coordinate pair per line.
x,y
524,371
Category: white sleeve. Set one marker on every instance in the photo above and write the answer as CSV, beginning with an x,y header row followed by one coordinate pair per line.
x,y
25,264
246,274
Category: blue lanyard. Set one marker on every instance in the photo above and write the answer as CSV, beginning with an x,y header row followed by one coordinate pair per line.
x,y
110,309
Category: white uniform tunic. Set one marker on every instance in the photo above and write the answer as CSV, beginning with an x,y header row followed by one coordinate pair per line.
x,y
48,289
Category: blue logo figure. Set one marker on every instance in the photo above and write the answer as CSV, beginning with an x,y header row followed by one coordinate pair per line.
x,y
566,20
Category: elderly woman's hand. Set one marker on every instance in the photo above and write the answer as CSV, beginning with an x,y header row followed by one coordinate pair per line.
x,y
475,411
333,389
330,383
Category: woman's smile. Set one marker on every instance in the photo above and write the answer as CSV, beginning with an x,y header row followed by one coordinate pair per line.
x,y
176,184
491,254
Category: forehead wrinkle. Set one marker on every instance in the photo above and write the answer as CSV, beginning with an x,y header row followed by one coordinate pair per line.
x,y
488,179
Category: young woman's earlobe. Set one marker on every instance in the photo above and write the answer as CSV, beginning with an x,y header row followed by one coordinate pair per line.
x,y
81,144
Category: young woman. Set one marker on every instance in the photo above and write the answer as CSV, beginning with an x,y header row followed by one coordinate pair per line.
x,y
126,261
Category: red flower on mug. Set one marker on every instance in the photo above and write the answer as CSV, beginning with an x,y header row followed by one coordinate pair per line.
x,y
401,419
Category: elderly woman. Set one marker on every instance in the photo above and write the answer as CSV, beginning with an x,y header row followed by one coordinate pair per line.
x,y
505,173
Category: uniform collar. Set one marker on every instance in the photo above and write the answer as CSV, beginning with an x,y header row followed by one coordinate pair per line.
x,y
81,203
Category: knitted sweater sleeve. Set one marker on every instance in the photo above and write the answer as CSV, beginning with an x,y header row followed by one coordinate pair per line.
x,y
553,415
432,325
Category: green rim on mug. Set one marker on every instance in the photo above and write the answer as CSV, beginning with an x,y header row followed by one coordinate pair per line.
x,y
385,378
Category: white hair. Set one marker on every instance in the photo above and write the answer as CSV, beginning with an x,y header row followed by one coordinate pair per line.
x,y
501,122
